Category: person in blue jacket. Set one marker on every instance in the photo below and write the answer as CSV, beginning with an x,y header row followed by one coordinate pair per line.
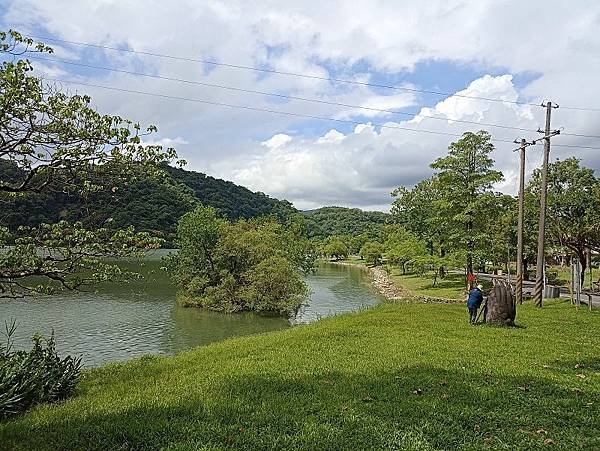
x,y
474,302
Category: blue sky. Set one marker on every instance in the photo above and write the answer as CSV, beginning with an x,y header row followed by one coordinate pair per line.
x,y
477,48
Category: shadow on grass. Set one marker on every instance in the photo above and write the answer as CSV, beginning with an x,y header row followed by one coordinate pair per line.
x,y
415,408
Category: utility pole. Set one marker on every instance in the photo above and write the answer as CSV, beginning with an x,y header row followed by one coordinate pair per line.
x,y
519,284
538,291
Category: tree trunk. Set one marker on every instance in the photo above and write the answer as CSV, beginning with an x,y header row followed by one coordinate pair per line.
x,y
582,255
525,268
470,246
501,308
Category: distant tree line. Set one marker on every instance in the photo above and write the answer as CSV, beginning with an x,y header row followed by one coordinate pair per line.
x,y
455,219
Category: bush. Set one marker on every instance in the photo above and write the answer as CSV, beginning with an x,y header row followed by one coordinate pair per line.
x,y
243,266
274,286
372,252
33,377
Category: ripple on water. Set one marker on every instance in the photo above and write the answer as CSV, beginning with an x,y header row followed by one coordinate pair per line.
x,y
122,322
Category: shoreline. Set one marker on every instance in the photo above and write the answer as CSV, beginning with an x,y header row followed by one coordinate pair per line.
x,y
381,281
387,288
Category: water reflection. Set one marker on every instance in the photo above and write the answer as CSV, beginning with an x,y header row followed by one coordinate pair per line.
x,y
122,321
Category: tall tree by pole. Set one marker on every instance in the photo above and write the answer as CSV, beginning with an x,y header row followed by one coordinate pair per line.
x,y
465,178
539,276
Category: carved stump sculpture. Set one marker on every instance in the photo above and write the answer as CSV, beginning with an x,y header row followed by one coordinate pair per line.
x,y
501,308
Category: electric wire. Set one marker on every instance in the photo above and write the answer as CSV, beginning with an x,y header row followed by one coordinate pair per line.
x,y
265,110
278,72
273,94
286,113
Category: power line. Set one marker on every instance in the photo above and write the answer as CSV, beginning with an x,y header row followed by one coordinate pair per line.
x,y
278,72
579,108
286,113
574,146
273,94
580,135
265,110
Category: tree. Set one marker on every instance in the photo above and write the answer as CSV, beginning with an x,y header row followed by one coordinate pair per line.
x,y
465,177
372,252
253,265
194,265
274,285
329,221
355,242
402,247
57,142
335,248
501,230
419,211
573,207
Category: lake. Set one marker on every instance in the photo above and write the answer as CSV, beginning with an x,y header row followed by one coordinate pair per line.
x,y
119,322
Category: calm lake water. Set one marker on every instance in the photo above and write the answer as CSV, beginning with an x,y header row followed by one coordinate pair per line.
x,y
119,322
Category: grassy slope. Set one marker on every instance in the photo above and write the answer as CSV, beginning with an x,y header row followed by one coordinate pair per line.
x,y
451,287
347,383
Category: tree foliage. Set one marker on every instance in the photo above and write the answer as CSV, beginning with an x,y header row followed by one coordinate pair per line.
x,y
151,204
372,252
403,247
465,177
335,247
249,265
573,207
51,141
340,221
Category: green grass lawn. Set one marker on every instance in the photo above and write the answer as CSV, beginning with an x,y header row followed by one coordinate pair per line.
x,y
451,287
397,376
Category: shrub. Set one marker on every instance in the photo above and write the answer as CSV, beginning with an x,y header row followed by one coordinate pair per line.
x,y
372,252
33,377
274,286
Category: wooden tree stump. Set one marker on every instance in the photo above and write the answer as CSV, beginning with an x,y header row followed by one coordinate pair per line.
x,y
501,307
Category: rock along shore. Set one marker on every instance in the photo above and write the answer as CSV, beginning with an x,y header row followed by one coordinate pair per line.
x,y
388,289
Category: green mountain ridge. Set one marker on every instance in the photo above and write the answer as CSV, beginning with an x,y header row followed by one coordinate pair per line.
x,y
327,221
155,205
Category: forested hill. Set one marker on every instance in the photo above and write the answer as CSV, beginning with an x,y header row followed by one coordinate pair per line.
x,y
231,200
156,205
328,221
149,204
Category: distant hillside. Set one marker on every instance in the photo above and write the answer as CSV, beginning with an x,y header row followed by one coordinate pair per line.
x,y
151,205
327,221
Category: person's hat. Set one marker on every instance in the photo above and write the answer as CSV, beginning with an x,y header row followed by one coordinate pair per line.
x,y
480,286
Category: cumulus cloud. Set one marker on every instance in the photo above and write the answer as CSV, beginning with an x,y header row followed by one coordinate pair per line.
x,y
362,167
312,163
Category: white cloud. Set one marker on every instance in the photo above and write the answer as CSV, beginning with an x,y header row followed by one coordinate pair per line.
x,y
362,167
384,39
165,142
277,140
379,105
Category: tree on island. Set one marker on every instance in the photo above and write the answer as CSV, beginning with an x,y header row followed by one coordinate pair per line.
x,y
51,141
253,265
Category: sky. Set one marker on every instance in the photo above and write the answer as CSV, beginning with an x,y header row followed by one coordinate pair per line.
x,y
515,51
